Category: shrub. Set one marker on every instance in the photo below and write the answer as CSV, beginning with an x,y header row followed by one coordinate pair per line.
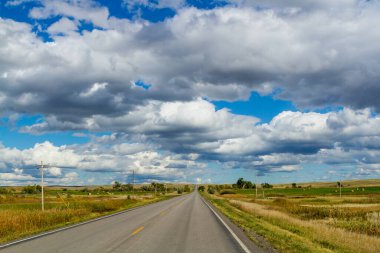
x,y
266,185
201,188
227,192
187,188
211,190
31,189
126,187
116,186
3,190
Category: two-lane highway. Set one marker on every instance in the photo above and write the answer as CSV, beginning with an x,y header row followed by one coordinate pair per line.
x,y
182,224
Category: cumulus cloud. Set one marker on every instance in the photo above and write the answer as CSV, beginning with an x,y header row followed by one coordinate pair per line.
x,y
87,10
308,53
64,26
94,157
288,140
193,55
134,5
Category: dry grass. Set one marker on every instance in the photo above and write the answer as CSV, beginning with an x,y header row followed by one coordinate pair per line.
x,y
19,223
316,231
21,216
351,183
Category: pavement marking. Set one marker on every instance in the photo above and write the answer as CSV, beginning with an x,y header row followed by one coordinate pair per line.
x,y
242,245
138,230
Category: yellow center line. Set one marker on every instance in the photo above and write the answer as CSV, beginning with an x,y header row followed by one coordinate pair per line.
x,y
138,230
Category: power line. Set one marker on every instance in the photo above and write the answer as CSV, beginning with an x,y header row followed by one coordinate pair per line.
x,y
42,167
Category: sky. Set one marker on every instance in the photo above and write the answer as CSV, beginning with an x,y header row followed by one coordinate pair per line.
x,y
189,91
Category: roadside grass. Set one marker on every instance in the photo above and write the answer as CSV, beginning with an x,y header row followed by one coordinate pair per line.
x,y
291,227
21,217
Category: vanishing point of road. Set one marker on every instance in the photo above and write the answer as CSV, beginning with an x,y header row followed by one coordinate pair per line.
x,y
181,224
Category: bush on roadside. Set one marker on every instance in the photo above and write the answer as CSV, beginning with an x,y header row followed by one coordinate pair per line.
x,y
31,189
211,190
227,192
3,190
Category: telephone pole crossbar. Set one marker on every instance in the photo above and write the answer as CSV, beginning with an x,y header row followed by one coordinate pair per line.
x,y
42,167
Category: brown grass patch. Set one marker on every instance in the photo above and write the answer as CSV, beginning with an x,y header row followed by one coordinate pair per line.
x,y
316,231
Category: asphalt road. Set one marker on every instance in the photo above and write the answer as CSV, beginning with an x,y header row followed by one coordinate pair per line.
x,y
182,224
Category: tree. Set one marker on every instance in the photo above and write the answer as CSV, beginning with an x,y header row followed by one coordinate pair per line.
x,y
116,186
201,188
266,185
187,188
157,186
294,185
248,185
126,187
31,189
240,183
145,188
211,190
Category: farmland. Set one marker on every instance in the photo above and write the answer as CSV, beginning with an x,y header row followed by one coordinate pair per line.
x,y
21,215
306,218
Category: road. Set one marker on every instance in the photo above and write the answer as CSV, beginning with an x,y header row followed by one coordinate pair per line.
x,y
181,224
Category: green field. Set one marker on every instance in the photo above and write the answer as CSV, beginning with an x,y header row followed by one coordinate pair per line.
x,y
293,192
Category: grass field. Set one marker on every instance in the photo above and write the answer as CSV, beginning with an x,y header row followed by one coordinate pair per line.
x,y
325,191
21,215
307,219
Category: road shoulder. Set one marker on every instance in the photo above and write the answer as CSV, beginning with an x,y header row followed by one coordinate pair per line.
x,y
241,234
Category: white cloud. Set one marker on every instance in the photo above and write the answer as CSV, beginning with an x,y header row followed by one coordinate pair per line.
x,y
96,87
54,171
69,178
193,55
17,2
64,26
15,177
18,171
137,4
87,10
86,82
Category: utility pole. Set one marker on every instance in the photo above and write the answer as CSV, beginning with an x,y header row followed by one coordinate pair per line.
x,y
133,182
42,186
256,183
43,166
263,188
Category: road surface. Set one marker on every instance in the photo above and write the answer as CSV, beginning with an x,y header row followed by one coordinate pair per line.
x,y
182,224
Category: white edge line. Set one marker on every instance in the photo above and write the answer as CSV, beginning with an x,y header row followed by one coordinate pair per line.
x,y
2,246
242,245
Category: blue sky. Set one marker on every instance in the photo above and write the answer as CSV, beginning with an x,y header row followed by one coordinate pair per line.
x,y
188,91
